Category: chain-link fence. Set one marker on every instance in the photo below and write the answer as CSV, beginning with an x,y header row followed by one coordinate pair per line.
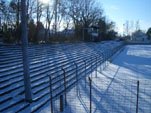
x,y
107,95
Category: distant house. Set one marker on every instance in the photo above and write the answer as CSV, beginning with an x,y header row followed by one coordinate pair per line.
x,y
139,36
93,32
41,35
69,31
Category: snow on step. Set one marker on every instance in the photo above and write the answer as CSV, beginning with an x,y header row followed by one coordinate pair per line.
x,y
44,60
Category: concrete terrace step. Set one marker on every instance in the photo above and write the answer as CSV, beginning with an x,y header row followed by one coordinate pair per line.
x,y
45,84
12,76
17,102
44,60
8,84
13,93
12,82
11,88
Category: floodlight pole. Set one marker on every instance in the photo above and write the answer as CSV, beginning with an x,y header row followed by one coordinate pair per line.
x,y
24,37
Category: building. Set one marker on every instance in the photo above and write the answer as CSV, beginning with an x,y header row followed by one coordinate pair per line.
x,y
139,36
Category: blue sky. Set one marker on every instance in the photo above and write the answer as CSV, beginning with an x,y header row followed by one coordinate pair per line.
x,y
132,10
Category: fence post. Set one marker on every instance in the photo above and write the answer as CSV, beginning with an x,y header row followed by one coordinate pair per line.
x,y
85,72
90,80
50,82
64,74
137,96
61,103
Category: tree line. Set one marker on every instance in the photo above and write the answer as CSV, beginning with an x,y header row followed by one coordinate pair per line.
x,y
53,17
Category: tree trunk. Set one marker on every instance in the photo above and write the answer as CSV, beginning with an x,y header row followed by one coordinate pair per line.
x,y
56,14
17,22
27,83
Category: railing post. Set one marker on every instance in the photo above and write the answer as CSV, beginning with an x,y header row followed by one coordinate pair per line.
x,y
101,62
137,97
107,55
50,82
64,74
90,80
76,77
91,67
85,72
96,67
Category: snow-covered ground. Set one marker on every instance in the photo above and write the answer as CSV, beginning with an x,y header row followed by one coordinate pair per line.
x,y
114,90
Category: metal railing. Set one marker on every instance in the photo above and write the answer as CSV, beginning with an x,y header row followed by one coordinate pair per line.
x,y
70,76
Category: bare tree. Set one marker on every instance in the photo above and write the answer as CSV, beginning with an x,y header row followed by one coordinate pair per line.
x,y
77,14
56,14
149,33
49,16
30,9
83,13
137,26
126,28
131,27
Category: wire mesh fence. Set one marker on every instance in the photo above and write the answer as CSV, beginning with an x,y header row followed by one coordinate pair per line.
x,y
108,95
82,90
